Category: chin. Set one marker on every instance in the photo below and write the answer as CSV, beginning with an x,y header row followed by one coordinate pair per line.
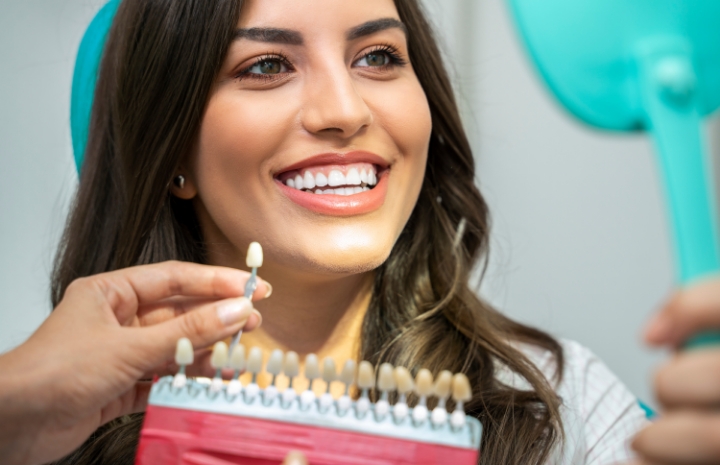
x,y
341,253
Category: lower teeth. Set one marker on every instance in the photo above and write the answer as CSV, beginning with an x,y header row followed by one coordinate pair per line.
x,y
339,190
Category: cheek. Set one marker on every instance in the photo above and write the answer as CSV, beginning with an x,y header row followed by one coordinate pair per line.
x,y
239,132
404,114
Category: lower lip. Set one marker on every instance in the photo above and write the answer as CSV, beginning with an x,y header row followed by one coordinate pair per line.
x,y
340,205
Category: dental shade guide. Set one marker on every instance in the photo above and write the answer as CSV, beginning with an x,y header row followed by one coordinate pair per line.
x,y
347,376
365,382
291,369
461,393
184,356
405,385
199,420
441,390
423,389
329,375
385,384
218,360
274,367
312,372
253,366
237,363
254,260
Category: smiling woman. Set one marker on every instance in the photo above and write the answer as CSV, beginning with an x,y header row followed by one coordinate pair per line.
x,y
328,131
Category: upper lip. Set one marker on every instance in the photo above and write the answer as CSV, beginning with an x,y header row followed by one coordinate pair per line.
x,y
333,158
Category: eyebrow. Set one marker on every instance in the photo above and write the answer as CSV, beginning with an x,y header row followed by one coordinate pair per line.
x,y
290,37
270,35
374,26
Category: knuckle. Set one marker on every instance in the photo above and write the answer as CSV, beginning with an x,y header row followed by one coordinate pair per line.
x,y
194,324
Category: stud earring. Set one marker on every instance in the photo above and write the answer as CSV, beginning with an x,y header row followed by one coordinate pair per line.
x,y
179,181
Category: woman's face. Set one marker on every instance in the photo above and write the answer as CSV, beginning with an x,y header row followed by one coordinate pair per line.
x,y
315,137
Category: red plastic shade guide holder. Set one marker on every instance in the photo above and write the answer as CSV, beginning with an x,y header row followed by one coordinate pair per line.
x,y
188,437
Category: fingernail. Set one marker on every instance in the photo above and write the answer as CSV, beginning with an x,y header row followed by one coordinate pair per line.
x,y
658,330
234,311
269,289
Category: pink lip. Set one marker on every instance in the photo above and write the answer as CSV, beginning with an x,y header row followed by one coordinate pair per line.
x,y
338,159
340,205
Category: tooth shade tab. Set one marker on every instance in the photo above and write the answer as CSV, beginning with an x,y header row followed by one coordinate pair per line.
x,y
291,364
366,375
329,371
275,362
219,356
403,380
386,379
184,353
424,383
461,390
237,358
254,256
443,384
347,375
312,367
255,361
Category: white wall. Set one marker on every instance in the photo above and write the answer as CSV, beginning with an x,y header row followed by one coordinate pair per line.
x,y
580,243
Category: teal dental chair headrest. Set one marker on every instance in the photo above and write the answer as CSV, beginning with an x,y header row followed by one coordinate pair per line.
x,y
85,77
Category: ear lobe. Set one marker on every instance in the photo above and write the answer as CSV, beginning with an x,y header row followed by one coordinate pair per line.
x,y
183,187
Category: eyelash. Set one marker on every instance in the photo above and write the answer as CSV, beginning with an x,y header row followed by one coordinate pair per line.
x,y
392,52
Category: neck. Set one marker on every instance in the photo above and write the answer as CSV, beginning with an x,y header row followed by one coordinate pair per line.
x,y
310,313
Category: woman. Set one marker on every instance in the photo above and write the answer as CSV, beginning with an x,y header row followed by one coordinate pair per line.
x,y
218,123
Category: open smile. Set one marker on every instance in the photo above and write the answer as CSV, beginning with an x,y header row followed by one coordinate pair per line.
x,y
335,184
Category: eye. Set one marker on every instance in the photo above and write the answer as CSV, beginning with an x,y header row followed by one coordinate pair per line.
x,y
383,57
374,59
268,66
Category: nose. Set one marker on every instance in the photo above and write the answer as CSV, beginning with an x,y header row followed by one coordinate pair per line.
x,y
333,106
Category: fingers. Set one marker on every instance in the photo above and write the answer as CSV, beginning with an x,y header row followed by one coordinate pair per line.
x,y
690,311
203,326
129,288
690,379
684,437
295,458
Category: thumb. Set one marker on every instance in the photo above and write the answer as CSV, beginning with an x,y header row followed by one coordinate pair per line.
x,y
204,326
295,458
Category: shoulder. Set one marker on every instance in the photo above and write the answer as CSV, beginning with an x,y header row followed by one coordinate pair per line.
x,y
600,414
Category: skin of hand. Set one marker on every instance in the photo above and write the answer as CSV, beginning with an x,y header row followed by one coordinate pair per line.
x,y
295,458
83,366
687,386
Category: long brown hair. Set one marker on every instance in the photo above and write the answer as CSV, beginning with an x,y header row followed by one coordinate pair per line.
x,y
159,65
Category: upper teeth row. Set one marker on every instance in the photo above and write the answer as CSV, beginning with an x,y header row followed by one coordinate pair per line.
x,y
334,179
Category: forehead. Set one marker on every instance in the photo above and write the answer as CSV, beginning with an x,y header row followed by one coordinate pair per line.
x,y
309,15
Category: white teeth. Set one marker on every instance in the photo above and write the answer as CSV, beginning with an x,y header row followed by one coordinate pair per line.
x,y
336,178
329,191
357,190
353,177
308,181
321,180
290,183
363,177
299,184
372,178
318,191
340,191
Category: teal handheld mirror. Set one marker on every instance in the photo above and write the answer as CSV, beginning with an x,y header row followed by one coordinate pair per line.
x,y
641,65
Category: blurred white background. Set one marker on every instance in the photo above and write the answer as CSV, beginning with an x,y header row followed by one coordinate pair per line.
x,y
580,245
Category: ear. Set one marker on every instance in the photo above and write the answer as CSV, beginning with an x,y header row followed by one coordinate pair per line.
x,y
185,189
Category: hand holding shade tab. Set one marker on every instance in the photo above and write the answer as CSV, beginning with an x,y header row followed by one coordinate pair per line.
x,y
649,65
